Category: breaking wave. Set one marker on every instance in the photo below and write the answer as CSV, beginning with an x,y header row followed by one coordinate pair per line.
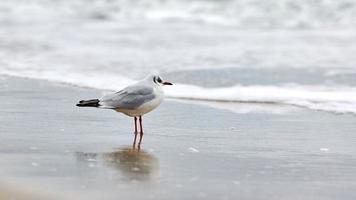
x,y
241,13
336,99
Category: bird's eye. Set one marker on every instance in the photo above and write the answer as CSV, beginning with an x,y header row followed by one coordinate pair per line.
x,y
159,80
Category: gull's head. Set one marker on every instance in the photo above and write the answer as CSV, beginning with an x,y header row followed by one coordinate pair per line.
x,y
158,80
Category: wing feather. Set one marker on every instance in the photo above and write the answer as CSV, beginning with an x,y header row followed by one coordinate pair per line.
x,y
129,98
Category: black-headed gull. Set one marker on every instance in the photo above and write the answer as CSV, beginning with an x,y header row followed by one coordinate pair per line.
x,y
134,100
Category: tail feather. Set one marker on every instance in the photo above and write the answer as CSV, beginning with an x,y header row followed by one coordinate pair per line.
x,y
89,103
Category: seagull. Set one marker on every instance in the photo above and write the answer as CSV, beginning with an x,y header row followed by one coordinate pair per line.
x,y
134,100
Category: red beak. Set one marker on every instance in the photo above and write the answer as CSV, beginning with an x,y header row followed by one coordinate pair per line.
x,y
167,83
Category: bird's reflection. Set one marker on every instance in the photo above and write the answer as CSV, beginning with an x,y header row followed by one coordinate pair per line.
x,y
132,163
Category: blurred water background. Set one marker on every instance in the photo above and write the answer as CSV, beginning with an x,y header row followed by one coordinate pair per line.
x,y
296,52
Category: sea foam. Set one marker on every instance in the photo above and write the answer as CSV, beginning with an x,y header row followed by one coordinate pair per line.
x,y
336,99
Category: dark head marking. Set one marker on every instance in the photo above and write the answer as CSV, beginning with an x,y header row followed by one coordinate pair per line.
x,y
157,79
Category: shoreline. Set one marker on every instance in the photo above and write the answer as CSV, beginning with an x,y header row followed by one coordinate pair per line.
x,y
267,106
47,142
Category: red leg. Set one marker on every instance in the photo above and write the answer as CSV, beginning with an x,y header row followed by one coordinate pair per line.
x,y
135,125
141,131
134,143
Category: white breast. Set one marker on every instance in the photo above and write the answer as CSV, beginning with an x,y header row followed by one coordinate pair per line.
x,y
146,107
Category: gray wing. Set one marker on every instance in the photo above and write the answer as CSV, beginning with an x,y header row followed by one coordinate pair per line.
x,y
129,98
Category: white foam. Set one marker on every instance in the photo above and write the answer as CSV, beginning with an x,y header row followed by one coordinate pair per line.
x,y
258,13
193,150
336,99
333,99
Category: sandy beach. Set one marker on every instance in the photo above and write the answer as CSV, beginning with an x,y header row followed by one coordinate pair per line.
x,y
262,106
189,151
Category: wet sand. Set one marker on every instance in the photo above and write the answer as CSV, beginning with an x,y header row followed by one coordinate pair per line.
x,y
189,151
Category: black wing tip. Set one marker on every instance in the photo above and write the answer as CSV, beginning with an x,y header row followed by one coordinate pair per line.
x,y
88,103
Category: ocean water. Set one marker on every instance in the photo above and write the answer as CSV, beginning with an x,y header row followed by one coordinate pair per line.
x,y
293,52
